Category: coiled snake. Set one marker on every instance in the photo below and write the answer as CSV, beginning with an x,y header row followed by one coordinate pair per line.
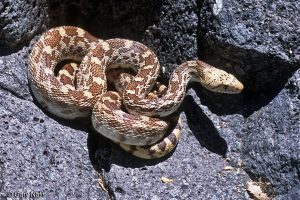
x,y
133,116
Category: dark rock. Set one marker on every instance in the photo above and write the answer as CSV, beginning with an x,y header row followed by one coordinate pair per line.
x,y
227,139
20,21
106,19
253,38
293,194
271,149
260,38
173,36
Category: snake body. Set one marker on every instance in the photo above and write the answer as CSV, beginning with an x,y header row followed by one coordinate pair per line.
x,y
81,91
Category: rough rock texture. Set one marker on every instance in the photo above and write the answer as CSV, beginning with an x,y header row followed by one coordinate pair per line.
x,y
13,74
260,40
106,19
194,170
227,140
19,22
40,155
292,194
261,37
173,35
271,148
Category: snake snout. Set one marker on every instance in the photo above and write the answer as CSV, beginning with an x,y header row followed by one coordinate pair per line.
x,y
234,86
218,80
227,83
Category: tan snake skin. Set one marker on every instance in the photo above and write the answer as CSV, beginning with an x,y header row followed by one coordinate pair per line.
x,y
120,78
82,91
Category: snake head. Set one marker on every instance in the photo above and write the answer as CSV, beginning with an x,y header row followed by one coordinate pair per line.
x,y
218,80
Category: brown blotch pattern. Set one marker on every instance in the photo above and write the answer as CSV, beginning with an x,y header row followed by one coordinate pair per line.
x,y
54,39
162,145
65,80
77,101
95,89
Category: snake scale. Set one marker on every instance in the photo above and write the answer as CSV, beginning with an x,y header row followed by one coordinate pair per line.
x,y
135,115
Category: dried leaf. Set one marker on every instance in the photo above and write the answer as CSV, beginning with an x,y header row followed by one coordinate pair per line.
x,y
255,190
228,168
166,180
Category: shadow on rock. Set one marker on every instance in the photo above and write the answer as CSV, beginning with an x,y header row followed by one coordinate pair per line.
x,y
104,152
203,128
127,19
100,150
261,63
261,85
218,103
263,73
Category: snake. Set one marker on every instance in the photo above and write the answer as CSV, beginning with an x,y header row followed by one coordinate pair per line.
x,y
134,115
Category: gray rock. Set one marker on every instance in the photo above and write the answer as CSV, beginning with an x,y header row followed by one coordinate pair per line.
x,y
20,21
253,38
293,194
42,156
271,149
195,171
260,38
227,139
13,74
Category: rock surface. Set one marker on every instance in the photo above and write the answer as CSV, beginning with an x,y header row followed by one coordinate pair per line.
x,y
19,22
261,38
271,150
40,155
227,141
